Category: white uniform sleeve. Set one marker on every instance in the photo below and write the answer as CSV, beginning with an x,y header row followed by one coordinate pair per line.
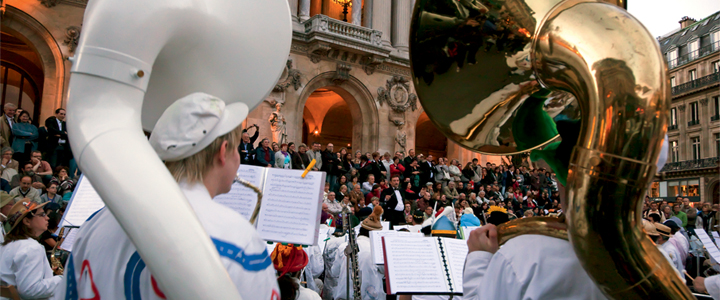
x,y
32,266
503,284
712,285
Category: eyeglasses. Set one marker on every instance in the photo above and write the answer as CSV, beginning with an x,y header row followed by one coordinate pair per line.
x,y
40,214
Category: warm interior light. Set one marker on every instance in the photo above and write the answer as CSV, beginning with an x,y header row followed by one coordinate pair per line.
x,y
315,132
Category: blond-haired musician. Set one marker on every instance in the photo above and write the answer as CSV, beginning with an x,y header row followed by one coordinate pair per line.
x,y
198,139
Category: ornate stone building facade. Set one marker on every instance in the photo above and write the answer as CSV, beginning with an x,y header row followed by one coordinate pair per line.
x,y
693,168
348,83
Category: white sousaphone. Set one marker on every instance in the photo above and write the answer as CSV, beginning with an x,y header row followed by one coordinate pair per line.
x,y
135,58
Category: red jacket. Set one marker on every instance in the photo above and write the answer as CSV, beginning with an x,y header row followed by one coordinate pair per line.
x,y
396,170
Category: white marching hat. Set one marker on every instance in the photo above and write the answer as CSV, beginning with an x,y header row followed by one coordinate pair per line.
x,y
191,123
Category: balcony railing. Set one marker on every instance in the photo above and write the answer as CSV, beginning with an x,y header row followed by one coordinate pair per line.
x,y
698,164
699,53
713,78
337,28
715,118
673,127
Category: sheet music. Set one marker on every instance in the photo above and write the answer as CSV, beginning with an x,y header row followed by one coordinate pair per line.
x,y
411,228
455,251
84,202
467,230
406,275
711,248
240,198
290,211
376,242
69,240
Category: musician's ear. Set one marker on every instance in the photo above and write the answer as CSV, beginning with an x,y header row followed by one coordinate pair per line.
x,y
222,155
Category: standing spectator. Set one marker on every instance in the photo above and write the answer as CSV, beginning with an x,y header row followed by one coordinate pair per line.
x,y
680,214
63,180
58,146
690,211
300,159
282,157
509,179
264,154
316,154
246,148
413,173
408,160
394,196
469,172
6,125
454,170
427,169
396,169
386,162
355,161
441,172
23,262
291,148
51,194
25,137
41,167
25,190
708,217
331,166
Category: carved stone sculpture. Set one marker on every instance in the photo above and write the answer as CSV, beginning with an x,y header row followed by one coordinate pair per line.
x,y
277,125
72,36
290,77
396,93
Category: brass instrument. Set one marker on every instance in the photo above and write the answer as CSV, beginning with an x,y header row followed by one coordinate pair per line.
x,y
351,251
510,67
55,262
257,191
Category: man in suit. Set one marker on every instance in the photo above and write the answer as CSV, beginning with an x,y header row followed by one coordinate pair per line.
x,y
6,124
247,155
395,199
426,169
58,147
331,165
408,160
316,154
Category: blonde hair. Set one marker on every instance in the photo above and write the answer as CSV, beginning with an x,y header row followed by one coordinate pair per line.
x,y
192,169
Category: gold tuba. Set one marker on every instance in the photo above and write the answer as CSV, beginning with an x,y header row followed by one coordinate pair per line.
x,y
509,68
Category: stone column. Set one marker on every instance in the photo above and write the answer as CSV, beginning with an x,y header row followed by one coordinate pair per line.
x,y
382,20
293,9
356,13
367,14
401,24
304,10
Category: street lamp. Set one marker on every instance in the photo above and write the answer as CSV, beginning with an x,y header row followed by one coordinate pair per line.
x,y
345,4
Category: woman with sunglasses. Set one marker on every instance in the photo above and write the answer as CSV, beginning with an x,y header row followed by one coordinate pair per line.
x,y
23,262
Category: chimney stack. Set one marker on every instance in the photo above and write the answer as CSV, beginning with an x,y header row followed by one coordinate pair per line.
x,y
686,21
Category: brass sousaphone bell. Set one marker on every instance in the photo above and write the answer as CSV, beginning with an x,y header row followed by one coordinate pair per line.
x,y
508,69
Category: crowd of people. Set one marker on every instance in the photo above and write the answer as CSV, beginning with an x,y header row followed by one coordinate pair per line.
x,y
440,195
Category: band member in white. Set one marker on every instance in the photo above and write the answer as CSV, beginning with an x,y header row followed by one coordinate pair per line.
x,y
197,137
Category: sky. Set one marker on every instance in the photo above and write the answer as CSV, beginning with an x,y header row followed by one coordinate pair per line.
x,y
662,16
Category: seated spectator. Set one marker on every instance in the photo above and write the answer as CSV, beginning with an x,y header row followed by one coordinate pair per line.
x,y
65,183
23,262
7,161
376,190
51,194
357,197
409,193
367,186
41,167
27,170
25,190
468,218
450,192
5,185
374,201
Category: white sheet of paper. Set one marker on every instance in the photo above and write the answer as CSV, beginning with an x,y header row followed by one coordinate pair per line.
x,y
404,271
385,225
376,242
84,202
716,235
711,248
291,205
69,240
456,251
240,198
467,230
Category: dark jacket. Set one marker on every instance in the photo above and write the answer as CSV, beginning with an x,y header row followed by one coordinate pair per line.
x,y
300,161
390,204
260,157
51,124
330,163
247,153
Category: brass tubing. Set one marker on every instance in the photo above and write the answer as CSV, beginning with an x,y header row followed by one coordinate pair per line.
x,y
613,66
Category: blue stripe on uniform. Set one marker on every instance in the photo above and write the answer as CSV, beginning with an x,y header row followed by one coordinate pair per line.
x,y
135,266
71,292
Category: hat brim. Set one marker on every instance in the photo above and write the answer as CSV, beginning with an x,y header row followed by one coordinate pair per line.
x,y
23,216
233,115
